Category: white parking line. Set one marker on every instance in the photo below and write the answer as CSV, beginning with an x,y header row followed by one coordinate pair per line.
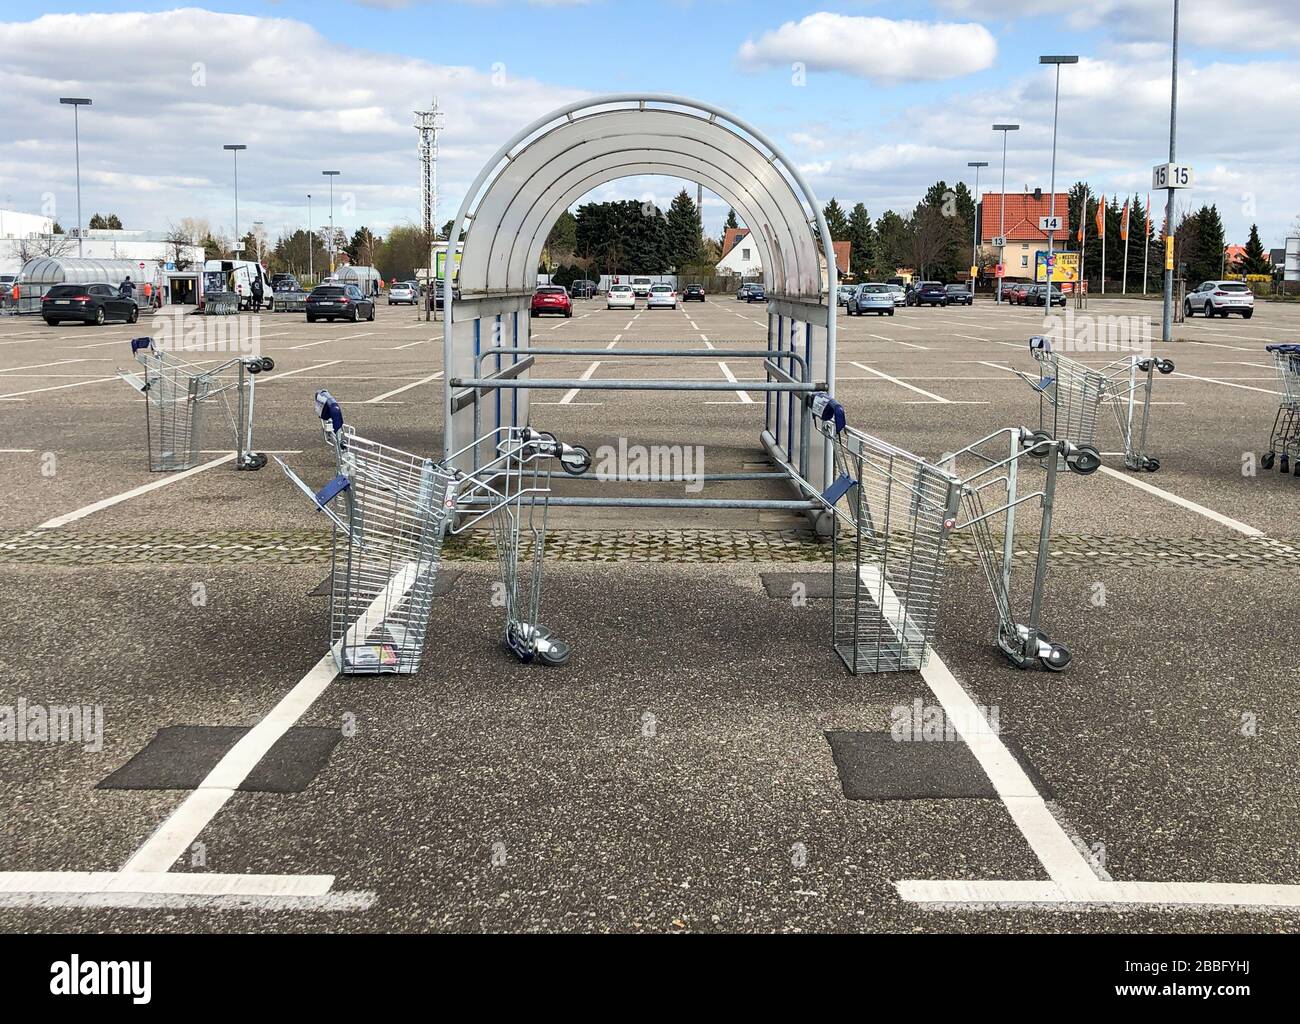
x,y
903,384
1191,506
726,372
405,387
38,366
410,344
1225,383
135,492
174,836
572,393
290,373
326,341
57,387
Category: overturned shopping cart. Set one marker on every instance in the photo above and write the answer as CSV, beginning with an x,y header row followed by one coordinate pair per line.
x,y
1071,394
180,395
1284,445
895,514
391,512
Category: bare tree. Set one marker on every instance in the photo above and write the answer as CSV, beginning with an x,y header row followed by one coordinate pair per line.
x,y
37,246
931,237
178,240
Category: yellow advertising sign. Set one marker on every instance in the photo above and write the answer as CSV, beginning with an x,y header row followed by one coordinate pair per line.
x,y
1065,267
1169,252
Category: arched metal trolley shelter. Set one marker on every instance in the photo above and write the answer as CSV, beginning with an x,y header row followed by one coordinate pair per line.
x,y
509,210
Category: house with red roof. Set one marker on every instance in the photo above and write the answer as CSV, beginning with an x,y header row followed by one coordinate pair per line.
x,y
1021,233
740,257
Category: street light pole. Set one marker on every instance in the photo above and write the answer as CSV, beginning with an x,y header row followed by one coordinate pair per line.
x,y
1056,106
331,175
975,231
234,149
1167,326
310,242
74,102
1002,202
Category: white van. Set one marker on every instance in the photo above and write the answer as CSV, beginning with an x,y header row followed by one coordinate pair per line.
x,y
641,287
238,277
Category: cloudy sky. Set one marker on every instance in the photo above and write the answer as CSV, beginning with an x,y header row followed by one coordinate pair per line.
x,y
873,101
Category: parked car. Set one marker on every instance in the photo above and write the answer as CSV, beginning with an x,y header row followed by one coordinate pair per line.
x,y
662,296
743,293
89,303
435,297
1036,295
641,287
1015,294
845,292
693,292
284,282
871,298
339,301
756,294
1219,298
898,292
959,295
930,293
551,298
582,289
403,293
620,296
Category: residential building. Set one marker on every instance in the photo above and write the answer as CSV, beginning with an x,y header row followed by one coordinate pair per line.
x,y
1022,234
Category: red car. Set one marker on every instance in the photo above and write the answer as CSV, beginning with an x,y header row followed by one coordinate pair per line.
x,y
551,299
1015,294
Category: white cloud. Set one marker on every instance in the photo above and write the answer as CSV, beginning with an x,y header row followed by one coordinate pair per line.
x,y
151,143
878,49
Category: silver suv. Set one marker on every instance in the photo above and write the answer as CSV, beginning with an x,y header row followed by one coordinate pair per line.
x,y
1219,298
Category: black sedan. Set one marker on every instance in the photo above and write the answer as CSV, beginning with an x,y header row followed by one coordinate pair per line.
x,y
339,301
693,293
1036,295
959,295
756,294
930,293
89,303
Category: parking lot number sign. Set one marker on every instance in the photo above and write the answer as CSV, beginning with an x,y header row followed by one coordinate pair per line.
x,y
1000,241
1049,223
1171,176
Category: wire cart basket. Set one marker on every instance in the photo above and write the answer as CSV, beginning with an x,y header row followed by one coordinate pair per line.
x,y
1070,396
894,513
1284,445
176,393
398,508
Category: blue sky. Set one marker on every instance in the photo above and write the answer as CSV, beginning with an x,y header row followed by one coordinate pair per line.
x,y
883,111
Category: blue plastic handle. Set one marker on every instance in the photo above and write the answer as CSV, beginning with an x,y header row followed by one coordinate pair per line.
x,y
826,409
138,343
1289,348
328,409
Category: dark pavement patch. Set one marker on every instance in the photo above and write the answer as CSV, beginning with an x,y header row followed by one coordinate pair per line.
x,y
875,766
181,756
781,584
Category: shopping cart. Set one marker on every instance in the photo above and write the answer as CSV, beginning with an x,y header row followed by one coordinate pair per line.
x,y
177,391
1284,447
894,513
1070,396
397,510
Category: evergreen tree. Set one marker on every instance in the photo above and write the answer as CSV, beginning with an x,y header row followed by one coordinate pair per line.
x,y
732,222
1254,260
683,228
1205,259
836,221
892,245
863,238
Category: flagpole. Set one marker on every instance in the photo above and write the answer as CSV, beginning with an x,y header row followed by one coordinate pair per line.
x,y
1146,248
1101,212
1125,233
1083,248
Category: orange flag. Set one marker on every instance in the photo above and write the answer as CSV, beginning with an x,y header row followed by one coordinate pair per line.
x,y
1123,227
1101,217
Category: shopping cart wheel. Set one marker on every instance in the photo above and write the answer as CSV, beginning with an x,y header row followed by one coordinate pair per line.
x,y
1085,461
576,460
1165,365
553,652
1036,446
1283,464
1266,460
268,363
1150,464
253,366
1057,658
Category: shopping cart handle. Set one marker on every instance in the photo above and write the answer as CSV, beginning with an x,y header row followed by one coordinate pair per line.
x,y
331,490
826,409
838,489
1040,343
1288,347
328,409
138,343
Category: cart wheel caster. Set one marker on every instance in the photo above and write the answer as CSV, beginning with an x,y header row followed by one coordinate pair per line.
x,y
553,652
1165,365
256,460
1283,464
253,366
1085,461
1150,464
268,363
1056,659
576,461
1266,460
1035,445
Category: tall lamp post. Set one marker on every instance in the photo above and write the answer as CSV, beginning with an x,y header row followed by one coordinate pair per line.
x,y
1167,322
331,175
234,149
1056,106
74,102
1002,203
975,231
310,242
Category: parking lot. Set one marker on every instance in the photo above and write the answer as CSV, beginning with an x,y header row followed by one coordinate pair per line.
x,y
676,775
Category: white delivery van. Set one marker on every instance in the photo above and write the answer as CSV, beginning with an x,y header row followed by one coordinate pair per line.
x,y
238,277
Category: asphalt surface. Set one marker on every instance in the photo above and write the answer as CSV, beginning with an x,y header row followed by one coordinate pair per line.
x,y
676,774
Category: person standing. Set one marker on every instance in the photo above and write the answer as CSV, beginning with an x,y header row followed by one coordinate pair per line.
x,y
257,291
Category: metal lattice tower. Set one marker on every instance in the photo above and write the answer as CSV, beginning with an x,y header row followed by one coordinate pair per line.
x,y
428,123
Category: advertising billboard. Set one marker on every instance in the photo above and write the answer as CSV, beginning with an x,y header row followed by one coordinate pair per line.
x,y
1065,267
